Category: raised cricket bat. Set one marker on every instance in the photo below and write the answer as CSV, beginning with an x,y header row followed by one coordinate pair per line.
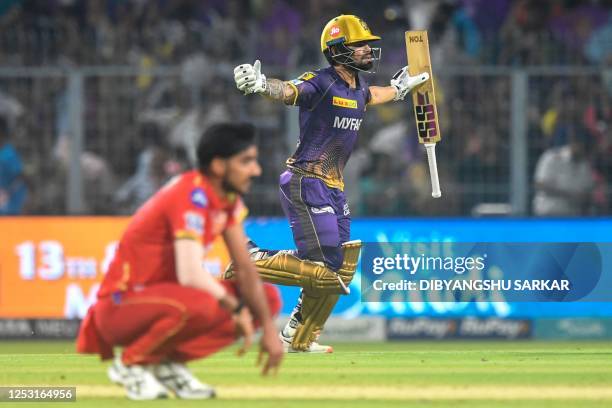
x,y
424,101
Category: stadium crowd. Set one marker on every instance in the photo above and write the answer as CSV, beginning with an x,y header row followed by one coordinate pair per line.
x,y
139,130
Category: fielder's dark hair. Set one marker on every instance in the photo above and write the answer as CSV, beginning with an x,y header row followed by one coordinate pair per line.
x,y
224,140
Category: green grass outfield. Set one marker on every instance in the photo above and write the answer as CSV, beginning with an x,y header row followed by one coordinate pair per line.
x,y
411,374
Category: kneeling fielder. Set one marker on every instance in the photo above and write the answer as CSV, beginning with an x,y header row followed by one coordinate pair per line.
x,y
159,303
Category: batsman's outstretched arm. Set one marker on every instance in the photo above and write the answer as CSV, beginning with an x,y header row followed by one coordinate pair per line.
x,y
281,91
249,79
382,94
401,84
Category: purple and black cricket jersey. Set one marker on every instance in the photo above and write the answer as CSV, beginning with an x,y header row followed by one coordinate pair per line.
x,y
330,116
311,191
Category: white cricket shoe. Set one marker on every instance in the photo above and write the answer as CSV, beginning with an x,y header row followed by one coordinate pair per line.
x,y
117,372
178,379
140,384
314,347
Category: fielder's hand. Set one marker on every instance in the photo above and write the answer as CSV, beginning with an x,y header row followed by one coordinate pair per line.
x,y
244,328
270,345
404,83
249,78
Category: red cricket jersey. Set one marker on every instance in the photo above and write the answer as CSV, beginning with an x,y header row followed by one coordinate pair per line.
x,y
186,207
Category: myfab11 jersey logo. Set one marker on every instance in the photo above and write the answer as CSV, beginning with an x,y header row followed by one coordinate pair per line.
x,y
347,123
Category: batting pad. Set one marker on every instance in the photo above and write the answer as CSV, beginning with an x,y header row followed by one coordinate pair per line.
x,y
285,268
315,312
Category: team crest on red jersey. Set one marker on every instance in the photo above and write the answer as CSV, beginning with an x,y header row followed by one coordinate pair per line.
x,y
198,198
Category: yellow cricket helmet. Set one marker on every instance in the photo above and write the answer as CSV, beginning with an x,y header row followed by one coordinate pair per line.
x,y
345,29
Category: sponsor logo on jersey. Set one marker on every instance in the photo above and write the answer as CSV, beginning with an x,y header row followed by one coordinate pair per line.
x,y
334,31
344,103
198,198
322,210
194,222
347,123
306,76
346,209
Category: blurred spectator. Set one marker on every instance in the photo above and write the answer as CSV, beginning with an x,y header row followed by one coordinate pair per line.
x,y
523,33
279,31
564,178
479,170
98,178
598,120
488,15
380,190
183,53
10,108
603,173
573,23
13,189
147,33
598,113
599,46
150,172
189,127
455,36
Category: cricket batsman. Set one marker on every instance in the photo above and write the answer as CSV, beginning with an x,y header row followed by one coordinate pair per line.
x,y
159,303
332,103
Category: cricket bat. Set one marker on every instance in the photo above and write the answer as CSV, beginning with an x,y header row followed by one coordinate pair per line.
x,y
424,101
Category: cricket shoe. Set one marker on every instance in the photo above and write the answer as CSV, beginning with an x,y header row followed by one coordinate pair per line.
x,y
140,384
314,347
178,379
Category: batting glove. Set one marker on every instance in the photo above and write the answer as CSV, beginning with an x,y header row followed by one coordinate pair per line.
x,y
404,83
249,78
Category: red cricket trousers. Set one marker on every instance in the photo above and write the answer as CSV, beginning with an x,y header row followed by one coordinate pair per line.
x,y
165,321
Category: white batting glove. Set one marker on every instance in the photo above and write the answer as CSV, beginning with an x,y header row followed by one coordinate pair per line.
x,y
404,83
249,78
